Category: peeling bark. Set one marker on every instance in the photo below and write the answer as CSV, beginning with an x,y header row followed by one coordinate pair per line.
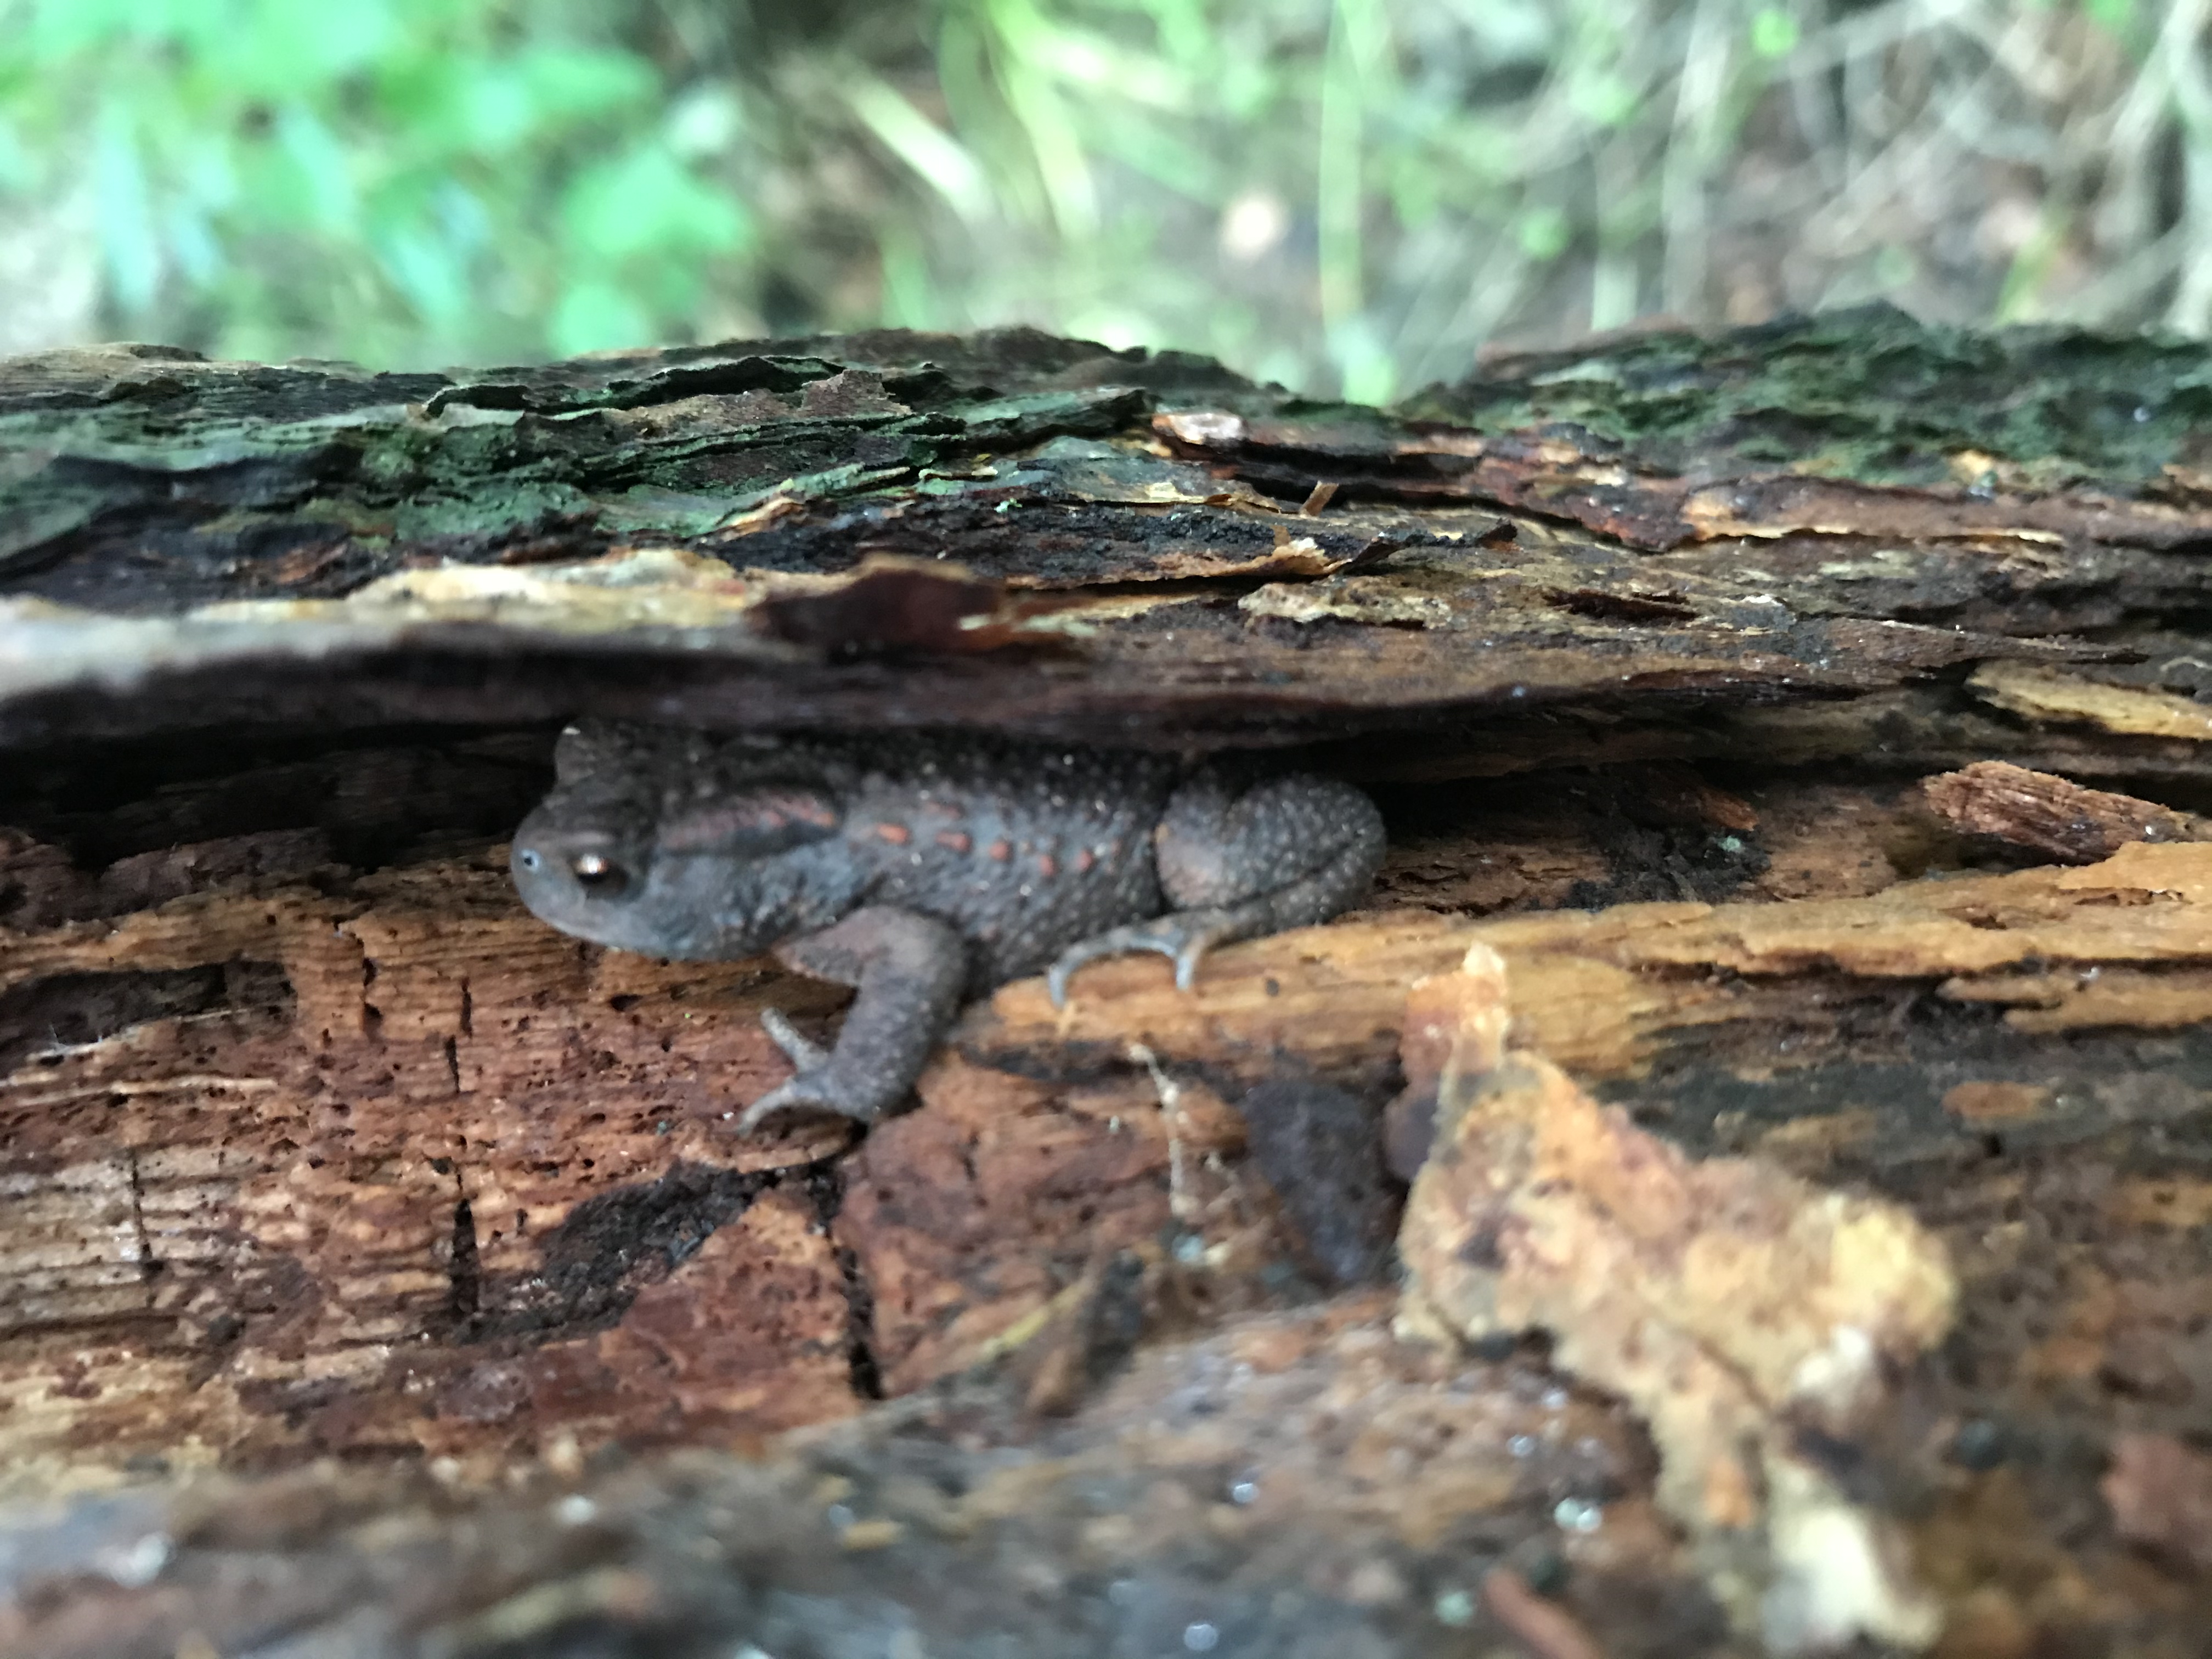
x,y
1809,719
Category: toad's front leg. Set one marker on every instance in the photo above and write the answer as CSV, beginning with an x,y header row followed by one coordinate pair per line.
x,y
910,970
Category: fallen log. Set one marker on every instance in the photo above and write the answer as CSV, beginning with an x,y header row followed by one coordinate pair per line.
x,y
313,1143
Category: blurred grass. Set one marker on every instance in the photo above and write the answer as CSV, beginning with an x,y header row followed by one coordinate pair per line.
x,y
1348,196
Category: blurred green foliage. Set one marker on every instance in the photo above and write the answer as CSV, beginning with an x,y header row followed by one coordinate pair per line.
x,y
395,179
1341,194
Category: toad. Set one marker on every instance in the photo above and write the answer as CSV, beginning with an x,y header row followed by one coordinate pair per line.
x,y
924,869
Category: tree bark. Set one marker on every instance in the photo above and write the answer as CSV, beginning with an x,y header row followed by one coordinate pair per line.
x,y
1662,658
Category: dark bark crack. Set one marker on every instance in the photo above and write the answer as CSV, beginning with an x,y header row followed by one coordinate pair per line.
x,y
824,1185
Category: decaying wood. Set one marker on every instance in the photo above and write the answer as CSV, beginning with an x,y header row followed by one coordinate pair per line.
x,y
1739,1310
1700,681
1544,1627
2051,816
1294,1485
2161,1492
422,547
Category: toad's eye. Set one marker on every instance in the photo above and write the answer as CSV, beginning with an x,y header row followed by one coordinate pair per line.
x,y
598,874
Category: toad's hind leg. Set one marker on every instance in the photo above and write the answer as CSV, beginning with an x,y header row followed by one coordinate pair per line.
x,y
1240,862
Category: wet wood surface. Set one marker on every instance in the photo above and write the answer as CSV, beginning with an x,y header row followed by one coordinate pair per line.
x,y
1833,806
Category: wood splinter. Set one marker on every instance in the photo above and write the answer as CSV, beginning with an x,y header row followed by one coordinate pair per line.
x,y
2050,815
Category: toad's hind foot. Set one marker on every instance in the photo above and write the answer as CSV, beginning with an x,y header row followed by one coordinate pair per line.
x,y
1183,937
1287,853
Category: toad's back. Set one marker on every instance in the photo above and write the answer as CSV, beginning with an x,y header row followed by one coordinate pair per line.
x,y
1025,850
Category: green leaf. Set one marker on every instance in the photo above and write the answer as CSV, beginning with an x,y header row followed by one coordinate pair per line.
x,y
2113,16
285,48
596,317
705,121
647,201
1544,233
325,189
20,165
120,200
429,273
1603,99
569,84
1774,32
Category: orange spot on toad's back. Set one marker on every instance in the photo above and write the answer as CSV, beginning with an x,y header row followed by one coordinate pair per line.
x,y
1000,851
1084,859
807,808
896,833
954,839
1048,867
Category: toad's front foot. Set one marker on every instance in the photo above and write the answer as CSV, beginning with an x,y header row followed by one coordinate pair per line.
x,y
818,1083
909,969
